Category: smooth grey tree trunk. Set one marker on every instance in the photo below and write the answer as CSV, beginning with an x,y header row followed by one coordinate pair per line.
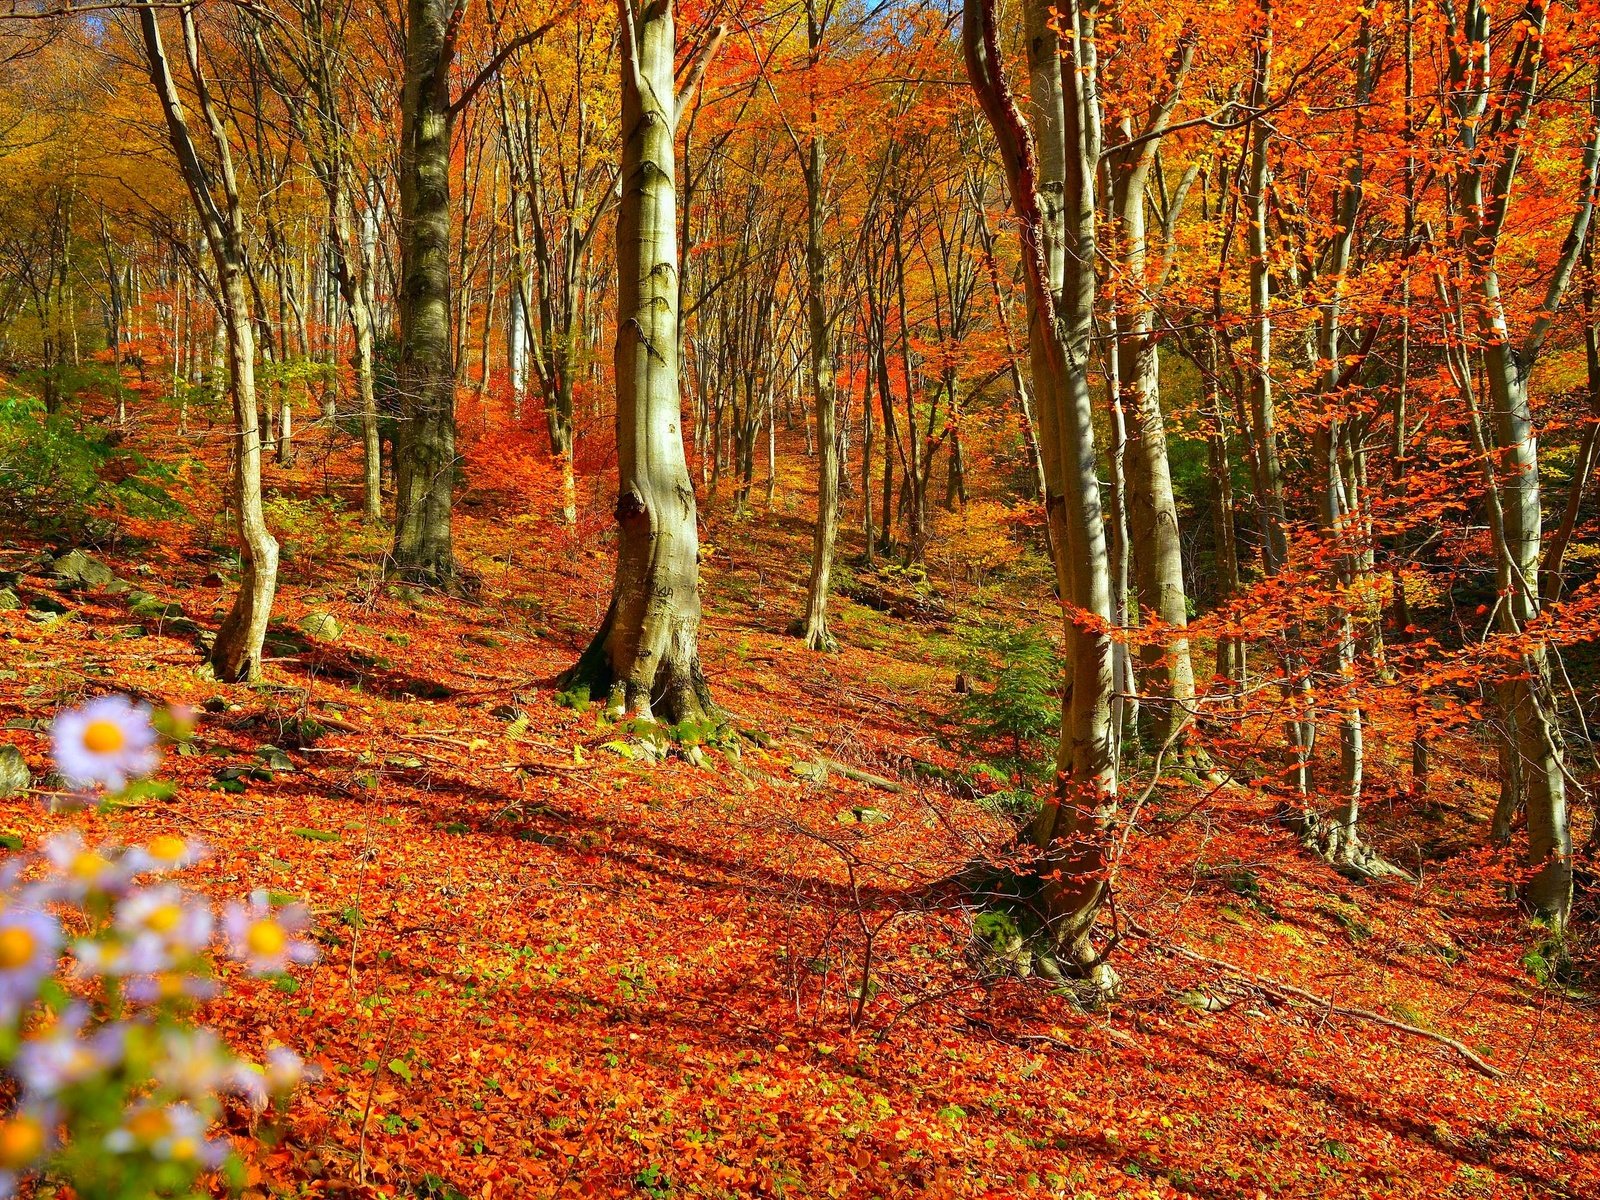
x,y
814,625
1531,752
645,659
236,653
1167,689
1266,466
1057,165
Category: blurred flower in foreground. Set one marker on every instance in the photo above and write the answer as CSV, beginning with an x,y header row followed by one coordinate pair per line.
x,y
265,940
107,741
81,870
24,1139
168,915
174,1131
165,852
107,1087
258,1084
63,1056
30,943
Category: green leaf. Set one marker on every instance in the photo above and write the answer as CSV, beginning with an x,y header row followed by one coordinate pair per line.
x,y
315,835
150,789
401,1068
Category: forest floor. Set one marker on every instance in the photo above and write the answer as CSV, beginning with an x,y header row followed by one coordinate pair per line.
x,y
551,968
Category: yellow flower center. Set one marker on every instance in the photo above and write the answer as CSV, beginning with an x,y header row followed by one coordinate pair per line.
x,y
166,848
148,1124
163,919
16,947
21,1142
103,737
86,864
267,939
171,984
183,1149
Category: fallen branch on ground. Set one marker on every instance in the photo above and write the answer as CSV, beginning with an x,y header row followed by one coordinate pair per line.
x,y
1286,991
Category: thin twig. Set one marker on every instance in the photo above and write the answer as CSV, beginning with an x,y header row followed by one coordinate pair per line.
x,y
1284,991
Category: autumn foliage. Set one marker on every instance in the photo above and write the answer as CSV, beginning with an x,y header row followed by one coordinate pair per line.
x,y
1187,787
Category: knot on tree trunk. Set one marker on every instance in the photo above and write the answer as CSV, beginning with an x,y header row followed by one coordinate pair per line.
x,y
631,507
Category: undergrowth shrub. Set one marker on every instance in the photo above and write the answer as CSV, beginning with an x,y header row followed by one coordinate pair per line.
x,y
1010,716
976,542
55,477
309,531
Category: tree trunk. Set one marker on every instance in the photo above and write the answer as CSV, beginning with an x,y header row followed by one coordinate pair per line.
x,y
1069,835
425,443
236,653
814,625
1533,771
645,659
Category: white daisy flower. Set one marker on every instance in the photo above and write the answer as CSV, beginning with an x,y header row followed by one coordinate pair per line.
x,y
167,912
61,1056
259,1083
192,1063
80,869
165,852
265,940
107,741
30,944
176,1132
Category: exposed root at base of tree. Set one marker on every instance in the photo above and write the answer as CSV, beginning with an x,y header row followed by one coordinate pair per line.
x,y
677,715
1340,846
450,579
1287,992
815,639
1013,935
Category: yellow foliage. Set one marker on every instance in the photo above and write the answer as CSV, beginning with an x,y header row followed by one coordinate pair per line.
x,y
976,540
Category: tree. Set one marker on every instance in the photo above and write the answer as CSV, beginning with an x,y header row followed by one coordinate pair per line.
x,y
236,653
645,658
314,55
1051,169
1490,115
425,444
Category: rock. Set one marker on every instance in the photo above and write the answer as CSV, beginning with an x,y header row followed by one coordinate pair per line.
x,y
14,773
274,759
75,569
143,604
319,627
9,601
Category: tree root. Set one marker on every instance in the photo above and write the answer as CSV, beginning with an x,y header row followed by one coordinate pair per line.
x,y
1011,935
1340,846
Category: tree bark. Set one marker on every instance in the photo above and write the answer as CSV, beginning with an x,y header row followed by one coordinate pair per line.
x,y
1068,836
1531,751
814,625
645,659
236,653
425,443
